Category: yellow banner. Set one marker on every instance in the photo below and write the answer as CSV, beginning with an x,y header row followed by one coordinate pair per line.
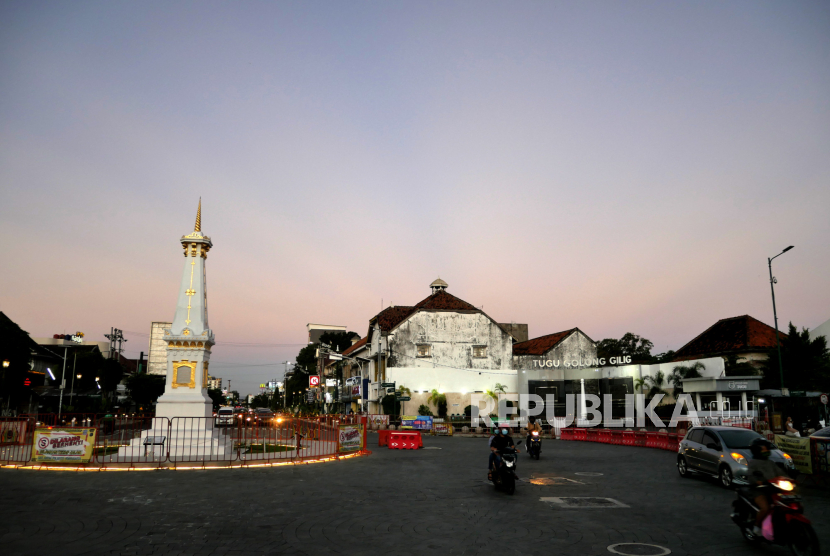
x,y
798,449
61,445
350,438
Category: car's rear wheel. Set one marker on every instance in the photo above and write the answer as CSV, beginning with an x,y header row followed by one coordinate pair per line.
x,y
725,476
683,467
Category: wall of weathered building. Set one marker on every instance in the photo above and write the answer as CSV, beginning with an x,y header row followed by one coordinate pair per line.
x,y
451,337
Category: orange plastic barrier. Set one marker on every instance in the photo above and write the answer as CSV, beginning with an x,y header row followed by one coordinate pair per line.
x,y
405,440
662,440
651,440
628,438
566,434
383,437
672,442
592,435
580,434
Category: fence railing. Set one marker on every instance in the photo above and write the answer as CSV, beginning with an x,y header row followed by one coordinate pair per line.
x,y
133,441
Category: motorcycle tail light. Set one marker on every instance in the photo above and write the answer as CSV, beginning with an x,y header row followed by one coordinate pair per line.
x,y
535,433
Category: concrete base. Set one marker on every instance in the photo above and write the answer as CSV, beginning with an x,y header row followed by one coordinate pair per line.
x,y
183,443
179,405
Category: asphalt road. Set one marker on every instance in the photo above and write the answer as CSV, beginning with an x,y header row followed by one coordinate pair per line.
x,y
433,501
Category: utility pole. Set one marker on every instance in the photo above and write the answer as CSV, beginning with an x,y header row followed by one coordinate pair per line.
x,y
772,282
115,336
63,380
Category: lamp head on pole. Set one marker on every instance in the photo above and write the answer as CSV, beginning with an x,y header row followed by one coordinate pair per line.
x,y
788,248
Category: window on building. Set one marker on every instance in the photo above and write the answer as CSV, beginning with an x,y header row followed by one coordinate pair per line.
x,y
424,350
479,351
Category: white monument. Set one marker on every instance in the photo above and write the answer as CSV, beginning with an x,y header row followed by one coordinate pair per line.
x,y
189,338
185,401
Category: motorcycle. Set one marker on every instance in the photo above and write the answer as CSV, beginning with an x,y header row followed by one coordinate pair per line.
x,y
504,477
534,445
790,527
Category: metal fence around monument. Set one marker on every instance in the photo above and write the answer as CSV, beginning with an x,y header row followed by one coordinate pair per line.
x,y
146,442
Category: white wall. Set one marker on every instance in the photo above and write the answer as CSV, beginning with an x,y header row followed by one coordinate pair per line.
x,y
449,380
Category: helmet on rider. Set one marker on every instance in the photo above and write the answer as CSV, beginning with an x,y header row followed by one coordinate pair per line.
x,y
532,418
757,448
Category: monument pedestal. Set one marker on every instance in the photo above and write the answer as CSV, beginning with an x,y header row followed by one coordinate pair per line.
x,y
185,439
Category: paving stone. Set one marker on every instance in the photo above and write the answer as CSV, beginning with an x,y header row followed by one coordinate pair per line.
x,y
406,503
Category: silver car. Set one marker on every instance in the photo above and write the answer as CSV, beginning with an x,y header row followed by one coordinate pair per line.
x,y
723,452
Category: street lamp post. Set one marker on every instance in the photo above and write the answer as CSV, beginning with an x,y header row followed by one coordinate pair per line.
x,y
772,282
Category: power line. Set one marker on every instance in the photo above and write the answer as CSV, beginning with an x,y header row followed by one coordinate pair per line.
x,y
231,343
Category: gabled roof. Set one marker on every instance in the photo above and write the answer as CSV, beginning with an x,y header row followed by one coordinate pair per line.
x,y
356,346
736,334
542,344
391,317
443,301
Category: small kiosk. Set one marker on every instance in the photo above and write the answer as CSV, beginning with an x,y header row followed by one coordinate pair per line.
x,y
724,396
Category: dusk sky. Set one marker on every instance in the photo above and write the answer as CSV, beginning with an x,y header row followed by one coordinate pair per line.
x,y
616,166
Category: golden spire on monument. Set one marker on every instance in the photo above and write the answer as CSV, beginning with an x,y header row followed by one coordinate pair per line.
x,y
198,227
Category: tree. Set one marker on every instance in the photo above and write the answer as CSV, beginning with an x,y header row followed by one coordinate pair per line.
x,y
111,374
806,363
439,401
145,388
733,368
217,397
655,384
307,359
424,410
339,340
681,372
637,347
15,347
260,400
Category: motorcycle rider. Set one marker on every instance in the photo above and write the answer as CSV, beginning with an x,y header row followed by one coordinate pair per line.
x,y
498,443
532,426
761,470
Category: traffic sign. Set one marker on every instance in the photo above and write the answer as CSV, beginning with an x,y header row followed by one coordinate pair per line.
x,y
313,381
404,399
387,384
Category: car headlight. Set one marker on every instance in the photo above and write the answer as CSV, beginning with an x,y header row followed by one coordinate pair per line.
x,y
738,458
789,460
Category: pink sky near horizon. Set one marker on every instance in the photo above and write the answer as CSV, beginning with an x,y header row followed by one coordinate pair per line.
x,y
613,166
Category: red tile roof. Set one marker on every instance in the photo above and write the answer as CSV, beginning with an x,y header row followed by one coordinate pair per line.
x,y
391,317
736,334
542,344
443,301
360,343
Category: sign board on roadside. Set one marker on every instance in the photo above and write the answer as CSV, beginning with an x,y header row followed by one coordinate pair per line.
x,y
350,438
798,449
313,381
404,399
63,445
387,384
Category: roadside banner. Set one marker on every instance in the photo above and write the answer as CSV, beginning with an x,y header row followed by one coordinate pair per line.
x,y
442,429
12,432
416,422
379,419
62,445
350,438
798,449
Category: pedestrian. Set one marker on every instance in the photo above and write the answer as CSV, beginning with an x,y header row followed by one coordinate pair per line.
x,y
790,429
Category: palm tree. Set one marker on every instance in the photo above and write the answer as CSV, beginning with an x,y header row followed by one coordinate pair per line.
x,y
684,371
438,399
655,384
639,383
